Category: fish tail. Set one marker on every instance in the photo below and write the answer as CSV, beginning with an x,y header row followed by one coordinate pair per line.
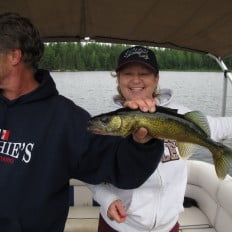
x,y
222,157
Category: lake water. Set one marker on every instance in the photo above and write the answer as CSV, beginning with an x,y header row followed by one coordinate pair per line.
x,y
196,90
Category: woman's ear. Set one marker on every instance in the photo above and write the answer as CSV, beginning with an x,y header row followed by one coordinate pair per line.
x,y
117,79
157,79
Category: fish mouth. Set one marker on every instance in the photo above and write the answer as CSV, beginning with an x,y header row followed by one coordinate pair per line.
x,y
96,131
96,128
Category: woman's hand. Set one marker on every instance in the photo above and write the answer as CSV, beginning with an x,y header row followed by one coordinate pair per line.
x,y
145,105
116,211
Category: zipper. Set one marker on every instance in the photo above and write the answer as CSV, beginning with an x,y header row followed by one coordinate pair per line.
x,y
158,200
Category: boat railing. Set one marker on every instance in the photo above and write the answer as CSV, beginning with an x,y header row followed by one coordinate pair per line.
x,y
227,77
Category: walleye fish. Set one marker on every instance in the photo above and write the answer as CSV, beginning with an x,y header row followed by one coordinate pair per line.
x,y
186,129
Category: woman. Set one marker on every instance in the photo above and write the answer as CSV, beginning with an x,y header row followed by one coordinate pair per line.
x,y
155,205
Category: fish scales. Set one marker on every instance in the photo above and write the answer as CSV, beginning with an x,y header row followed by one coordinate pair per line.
x,y
171,127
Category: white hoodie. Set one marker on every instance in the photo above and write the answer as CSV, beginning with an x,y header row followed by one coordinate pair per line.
x,y
156,204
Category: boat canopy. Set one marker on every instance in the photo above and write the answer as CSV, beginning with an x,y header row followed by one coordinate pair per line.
x,y
203,26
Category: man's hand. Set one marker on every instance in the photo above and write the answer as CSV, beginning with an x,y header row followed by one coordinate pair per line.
x,y
117,212
146,105
141,135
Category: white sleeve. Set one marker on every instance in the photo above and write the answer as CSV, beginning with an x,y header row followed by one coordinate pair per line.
x,y
103,194
220,127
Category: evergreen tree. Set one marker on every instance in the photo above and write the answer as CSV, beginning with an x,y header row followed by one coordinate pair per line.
x,y
94,56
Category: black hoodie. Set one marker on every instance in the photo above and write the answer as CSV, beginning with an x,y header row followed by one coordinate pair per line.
x,y
44,143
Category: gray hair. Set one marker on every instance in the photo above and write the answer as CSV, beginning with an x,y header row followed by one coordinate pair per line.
x,y
17,32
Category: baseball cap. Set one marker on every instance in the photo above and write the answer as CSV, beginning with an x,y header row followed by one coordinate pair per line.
x,y
138,54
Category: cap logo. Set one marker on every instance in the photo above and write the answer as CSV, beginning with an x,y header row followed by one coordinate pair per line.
x,y
140,52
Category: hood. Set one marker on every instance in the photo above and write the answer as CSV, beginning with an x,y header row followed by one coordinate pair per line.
x,y
165,97
46,89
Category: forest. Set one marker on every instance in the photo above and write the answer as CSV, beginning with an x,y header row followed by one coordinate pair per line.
x,y
102,57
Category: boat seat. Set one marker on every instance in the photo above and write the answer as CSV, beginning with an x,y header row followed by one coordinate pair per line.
x,y
194,220
213,197
82,219
83,215
198,230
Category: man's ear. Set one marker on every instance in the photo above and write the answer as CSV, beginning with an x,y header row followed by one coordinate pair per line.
x,y
16,56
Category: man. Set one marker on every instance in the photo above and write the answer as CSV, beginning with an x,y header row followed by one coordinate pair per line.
x,y
44,141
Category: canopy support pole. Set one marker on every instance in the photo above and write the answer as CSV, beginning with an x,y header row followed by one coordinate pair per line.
x,y
227,76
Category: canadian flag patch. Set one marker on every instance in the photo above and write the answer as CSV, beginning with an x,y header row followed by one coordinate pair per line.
x,y
4,134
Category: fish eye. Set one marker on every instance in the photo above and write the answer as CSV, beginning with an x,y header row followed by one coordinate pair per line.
x,y
105,119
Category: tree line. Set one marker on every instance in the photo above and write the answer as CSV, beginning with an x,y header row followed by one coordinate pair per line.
x,y
102,57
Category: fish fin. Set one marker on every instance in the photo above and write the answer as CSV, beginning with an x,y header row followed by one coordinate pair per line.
x,y
199,119
223,161
185,149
